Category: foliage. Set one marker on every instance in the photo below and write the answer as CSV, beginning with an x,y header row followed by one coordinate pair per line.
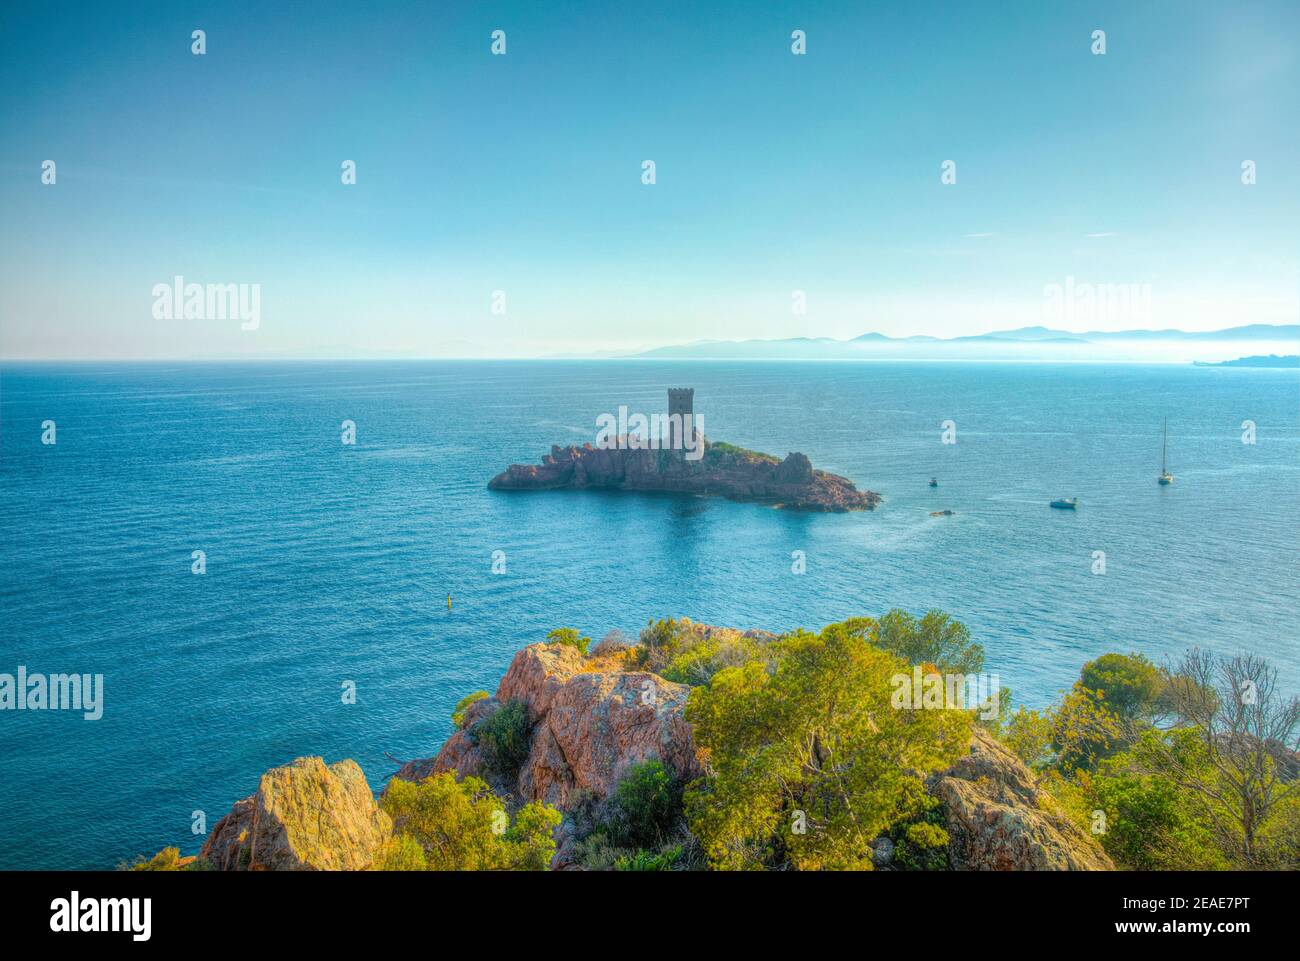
x,y
596,852
645,860
569,637
1029,735
720,452
504,736
808,761
1083,730
698,663
168,859
1182,769
401,852
687,653
926,835
648,802
921,844
1150,825
1128,685
441,824
660,641
934,639
531,837
463,705
1230,753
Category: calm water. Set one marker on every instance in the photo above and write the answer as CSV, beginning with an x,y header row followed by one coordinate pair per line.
x,y
329,563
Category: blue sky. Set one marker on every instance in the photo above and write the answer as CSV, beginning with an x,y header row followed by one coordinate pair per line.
x,y
522,172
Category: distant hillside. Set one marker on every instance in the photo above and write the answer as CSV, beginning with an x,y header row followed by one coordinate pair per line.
x,y
1259,360
1024,343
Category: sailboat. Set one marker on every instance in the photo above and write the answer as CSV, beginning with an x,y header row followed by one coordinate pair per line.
x,y
1166,478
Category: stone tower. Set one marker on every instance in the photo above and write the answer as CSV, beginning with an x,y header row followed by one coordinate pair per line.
x,y
681,401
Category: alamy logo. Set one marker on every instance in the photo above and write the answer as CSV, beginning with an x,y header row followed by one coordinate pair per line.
x,y
946,692
133,915
1075,303
684,432
181,301
53,692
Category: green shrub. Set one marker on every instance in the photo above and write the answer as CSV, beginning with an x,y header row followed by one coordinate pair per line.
x,y
698,664
721,453
596,852
924,847
1029,735
531,837
920,838
660,642
934,639
442,824
463,705
808,756
1150,825
1128,685
644,860
401,852
648,805
168,859
504,737
569,637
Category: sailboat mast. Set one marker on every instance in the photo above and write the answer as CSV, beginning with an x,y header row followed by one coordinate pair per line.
x,y
1164,449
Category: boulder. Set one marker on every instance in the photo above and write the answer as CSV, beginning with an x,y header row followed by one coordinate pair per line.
x,y
305,816
591,720
998,819
796,469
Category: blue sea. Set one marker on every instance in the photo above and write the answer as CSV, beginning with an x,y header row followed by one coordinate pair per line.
x,y
329,563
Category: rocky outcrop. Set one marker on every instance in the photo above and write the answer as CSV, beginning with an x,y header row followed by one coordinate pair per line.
x,y
305,816
998,819
591,720
723,470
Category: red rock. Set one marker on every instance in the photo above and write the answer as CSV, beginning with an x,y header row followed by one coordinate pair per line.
x,y
723,471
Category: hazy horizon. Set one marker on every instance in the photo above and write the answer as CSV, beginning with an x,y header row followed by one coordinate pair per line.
x,y
499,206
966,348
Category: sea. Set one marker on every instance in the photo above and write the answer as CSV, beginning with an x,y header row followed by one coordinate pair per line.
x,y
352,593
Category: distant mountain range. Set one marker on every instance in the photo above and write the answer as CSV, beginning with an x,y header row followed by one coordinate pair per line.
x,y
1021,343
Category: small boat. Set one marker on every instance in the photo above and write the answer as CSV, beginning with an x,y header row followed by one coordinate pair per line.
x,y
1066,503
1165,478
934,482
943,513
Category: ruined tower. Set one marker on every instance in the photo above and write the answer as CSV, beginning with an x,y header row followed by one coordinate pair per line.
x,y
681,402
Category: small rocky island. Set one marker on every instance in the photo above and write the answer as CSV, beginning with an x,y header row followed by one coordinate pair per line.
x,y
703,467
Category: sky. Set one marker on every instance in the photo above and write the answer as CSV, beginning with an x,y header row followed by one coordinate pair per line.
x,y
522,173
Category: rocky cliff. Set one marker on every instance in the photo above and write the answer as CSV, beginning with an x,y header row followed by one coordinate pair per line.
x,y
723,470
590,718
305,816
998,819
